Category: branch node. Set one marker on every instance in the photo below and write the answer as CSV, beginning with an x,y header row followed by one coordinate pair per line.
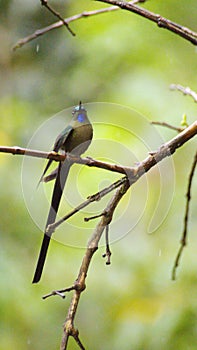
x,y
55,13
95,216
80,286
59,292
54,292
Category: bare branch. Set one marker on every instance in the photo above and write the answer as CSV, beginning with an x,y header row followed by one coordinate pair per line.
x,y
184,90
60,292
107,248
93,198
162,22
60,157
134,173
184,234
173,144
166,150
178,129
55,13
69,329
40,32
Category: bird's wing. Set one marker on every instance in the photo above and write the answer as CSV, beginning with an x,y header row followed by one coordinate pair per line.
x,y
61,139
58,144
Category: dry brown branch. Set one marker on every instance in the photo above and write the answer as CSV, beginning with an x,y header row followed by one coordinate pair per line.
x,y
68,328
188,194
79,286
60,157
132,175
185,232
55,13
84,14
162,22
107,253
93,198
169,126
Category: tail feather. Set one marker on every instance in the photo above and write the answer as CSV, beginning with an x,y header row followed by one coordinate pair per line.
x,y
44,172
60,181
51,176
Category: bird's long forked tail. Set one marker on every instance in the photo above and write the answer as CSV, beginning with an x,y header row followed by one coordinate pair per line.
x,y
60,181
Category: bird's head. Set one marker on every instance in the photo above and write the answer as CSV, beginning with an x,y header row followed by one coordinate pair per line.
x,y
79,113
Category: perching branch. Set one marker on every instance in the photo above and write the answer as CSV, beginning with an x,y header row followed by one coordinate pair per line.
x,y
61,157
185,232
162,22
168,147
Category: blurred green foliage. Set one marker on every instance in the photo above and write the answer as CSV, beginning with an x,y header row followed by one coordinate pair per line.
x,y
115,58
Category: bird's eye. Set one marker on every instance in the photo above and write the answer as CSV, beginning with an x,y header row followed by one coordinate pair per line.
x,y
81,118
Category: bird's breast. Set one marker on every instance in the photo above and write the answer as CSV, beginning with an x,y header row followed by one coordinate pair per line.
x,y
79,139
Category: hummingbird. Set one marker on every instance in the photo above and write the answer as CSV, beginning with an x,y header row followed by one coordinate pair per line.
x,y
75,139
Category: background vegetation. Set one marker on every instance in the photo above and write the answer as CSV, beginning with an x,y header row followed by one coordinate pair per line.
x,y
115,58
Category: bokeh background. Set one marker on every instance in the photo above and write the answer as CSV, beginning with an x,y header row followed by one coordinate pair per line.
x,y
115,58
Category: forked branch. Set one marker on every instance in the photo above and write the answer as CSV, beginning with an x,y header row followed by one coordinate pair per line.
x,y
162,22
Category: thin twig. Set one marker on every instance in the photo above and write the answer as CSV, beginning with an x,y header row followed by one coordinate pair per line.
x,y
162,22
93,198
95,216
60,292
107,248
169,126
185,229
55,13
184,90
42,31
